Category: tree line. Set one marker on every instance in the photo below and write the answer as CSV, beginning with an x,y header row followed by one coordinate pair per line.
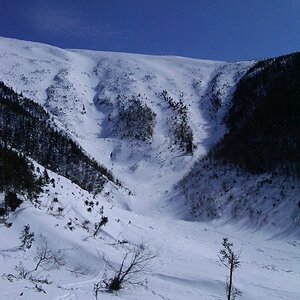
x,y
263,124
28,128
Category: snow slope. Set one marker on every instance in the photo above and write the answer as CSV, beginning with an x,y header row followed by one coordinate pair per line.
x,y
187,265
83,90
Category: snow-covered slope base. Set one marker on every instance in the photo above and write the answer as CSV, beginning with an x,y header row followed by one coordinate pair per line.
x,y
213,190
187,265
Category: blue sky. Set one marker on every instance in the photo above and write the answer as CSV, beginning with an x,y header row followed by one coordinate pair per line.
x,y
209,29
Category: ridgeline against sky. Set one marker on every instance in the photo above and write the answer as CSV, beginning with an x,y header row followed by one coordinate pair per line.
x,y
221,30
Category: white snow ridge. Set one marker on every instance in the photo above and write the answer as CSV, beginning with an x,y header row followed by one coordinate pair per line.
x,y
148,119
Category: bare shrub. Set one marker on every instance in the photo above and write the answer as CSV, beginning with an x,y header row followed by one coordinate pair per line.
x,y
135,263
48,259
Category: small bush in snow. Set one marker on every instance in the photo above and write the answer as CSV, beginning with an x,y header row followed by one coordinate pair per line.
x,y
135,263
27,238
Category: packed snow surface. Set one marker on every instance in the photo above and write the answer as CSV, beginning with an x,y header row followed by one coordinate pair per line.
x,y
84,90
186,267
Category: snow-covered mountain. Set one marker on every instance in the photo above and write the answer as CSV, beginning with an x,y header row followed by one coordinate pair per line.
x,y
150,120
87,91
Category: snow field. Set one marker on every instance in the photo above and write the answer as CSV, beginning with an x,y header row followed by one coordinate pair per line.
x,y
148,209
